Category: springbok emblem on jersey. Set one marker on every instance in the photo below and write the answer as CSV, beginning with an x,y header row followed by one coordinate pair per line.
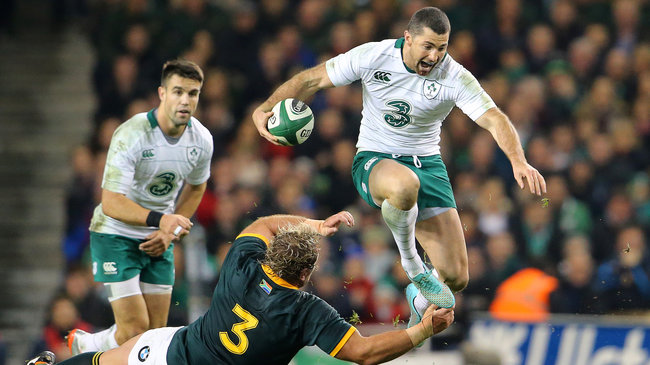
x,y
431,89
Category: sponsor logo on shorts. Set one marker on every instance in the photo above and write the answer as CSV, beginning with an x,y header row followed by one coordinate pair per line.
x,y
109,268
143,354
369,163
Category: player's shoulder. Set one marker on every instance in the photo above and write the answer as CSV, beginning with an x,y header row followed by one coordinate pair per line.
x,y
139,121
372,50
200,130
384,48
453,71
134,128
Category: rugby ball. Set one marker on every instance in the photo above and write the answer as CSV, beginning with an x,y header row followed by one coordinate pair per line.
x,y
292,122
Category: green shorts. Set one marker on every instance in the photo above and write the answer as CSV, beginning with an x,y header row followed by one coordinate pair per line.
x,y
435,188
117,258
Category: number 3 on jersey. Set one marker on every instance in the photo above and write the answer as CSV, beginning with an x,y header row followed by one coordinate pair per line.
x,y
399,116
249,322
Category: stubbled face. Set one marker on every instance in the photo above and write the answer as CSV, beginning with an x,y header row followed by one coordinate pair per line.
x,y
179,98
423,51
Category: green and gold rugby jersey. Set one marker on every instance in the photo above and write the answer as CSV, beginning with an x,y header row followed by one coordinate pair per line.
x,y
150,168
256,317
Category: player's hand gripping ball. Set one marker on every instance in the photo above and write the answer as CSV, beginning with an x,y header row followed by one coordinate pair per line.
x,y
292,122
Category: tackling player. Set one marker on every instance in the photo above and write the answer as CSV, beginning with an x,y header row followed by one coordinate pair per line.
x,y
258,315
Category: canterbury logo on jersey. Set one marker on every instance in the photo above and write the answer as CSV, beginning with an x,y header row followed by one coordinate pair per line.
x,y
147,153
382,76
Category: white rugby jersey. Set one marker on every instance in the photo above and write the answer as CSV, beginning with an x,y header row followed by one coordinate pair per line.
x,y
142,164
403,111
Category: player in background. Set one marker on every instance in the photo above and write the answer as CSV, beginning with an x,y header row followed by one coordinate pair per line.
x,y
258,314
153,158
409,87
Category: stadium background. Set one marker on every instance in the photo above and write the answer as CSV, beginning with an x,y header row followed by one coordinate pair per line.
x,y
573,75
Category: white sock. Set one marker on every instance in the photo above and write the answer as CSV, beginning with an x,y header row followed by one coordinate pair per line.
x,y
105,340
86,342
421,303
402,224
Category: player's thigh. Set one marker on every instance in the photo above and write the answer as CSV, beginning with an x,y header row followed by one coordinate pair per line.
x,y
130,312
156,283
441,237
386,174
149,348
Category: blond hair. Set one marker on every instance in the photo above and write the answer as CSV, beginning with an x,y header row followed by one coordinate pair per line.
x,y
294,248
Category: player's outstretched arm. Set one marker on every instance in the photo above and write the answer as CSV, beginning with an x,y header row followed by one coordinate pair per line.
x,y
505,134
390,345
269,226
301,86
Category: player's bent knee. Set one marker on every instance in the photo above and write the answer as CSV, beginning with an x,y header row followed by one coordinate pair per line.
x,y
457,283
404,195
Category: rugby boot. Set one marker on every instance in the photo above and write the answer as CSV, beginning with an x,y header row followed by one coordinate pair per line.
x,y
44,358
436,292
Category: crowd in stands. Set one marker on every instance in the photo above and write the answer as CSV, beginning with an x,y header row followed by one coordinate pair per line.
x,y
572,75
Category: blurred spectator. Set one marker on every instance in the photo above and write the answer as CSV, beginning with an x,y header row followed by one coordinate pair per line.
x,y
90,298
623,282
574,293
618,213
570,215
540,46
501,259
524,296
359,286
626,19
537,235
390,305
79,203
494,208
115,92
379,253
62,317
329,287
564,20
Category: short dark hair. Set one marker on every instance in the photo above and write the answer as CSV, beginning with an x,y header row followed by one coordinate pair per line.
x,y
183,68
293,249
430,17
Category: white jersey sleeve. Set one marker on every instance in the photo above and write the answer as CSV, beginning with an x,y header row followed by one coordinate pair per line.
x,y
347,68
471,98
201,173
120,161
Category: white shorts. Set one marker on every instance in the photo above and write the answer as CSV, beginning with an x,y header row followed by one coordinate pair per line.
x,y
151,347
